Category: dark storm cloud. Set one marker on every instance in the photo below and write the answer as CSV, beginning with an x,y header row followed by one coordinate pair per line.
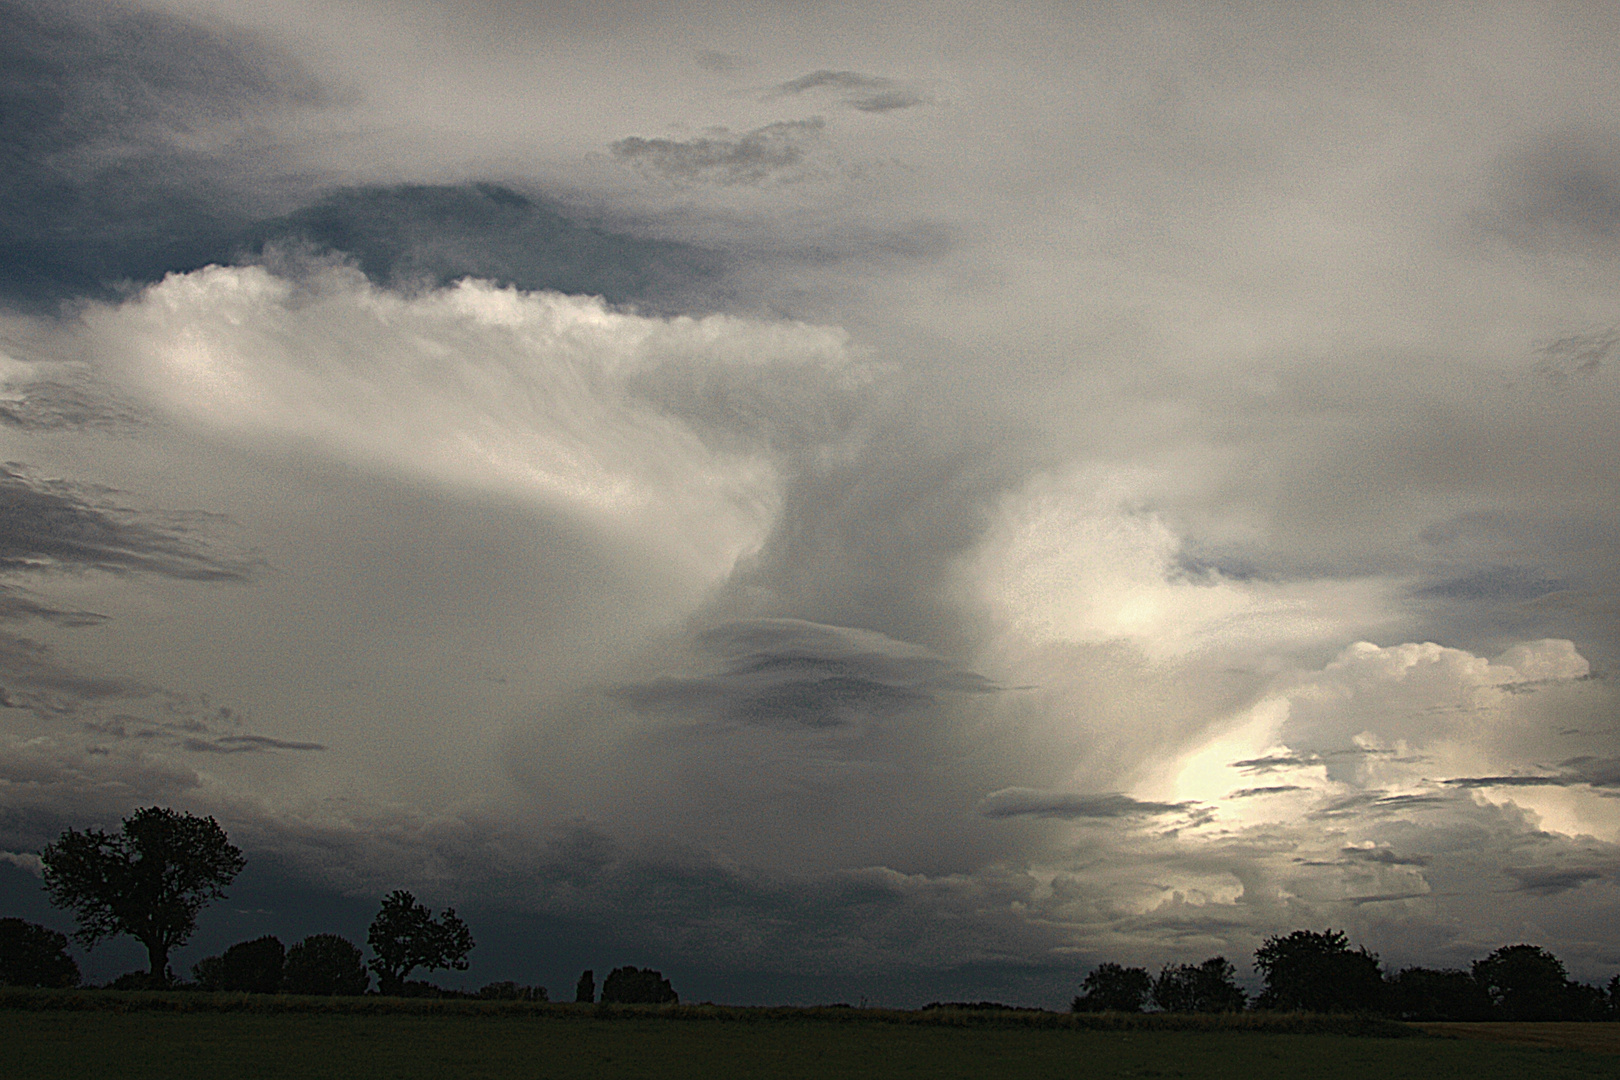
x,y
776,151
1552,880
1028,802
1597,772
868,93
1275,789
415,234
94,190
15,604
97,195
1498,584
54,524
794,674
244,744
36,680
1562,194
1276,762
1383,857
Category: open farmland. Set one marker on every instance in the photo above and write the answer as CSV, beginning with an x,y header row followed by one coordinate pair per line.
x,y
561,1044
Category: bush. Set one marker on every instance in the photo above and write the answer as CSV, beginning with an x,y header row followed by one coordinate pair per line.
x,y
250,967
325,964
638,986
511,991
1205,988
1112,988
34,955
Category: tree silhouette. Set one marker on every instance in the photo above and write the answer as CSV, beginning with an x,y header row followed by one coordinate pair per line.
x,y
585,989
325,964
1524,982
147,880
250,967
1203,988
638,986
1417,993
1112,988
34,955
405,936
1318,973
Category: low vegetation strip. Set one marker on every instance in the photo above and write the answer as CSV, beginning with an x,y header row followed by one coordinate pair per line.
x,y
123,1001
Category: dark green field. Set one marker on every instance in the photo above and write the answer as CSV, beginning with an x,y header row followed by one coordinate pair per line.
x,y
231,1045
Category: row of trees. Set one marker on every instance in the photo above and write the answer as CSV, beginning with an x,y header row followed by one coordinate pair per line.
x,y
150,879
1320,972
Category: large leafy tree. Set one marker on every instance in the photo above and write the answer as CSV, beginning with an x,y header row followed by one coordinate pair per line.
x,y
147,880
1525,982
1314,972
405,936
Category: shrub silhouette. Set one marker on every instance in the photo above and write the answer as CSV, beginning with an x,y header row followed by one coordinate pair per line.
x,y
325,964
1112,988
1203,988
638,986
252,967
34,955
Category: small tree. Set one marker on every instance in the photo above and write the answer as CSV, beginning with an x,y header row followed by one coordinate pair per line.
x,y
35,955
1112,988
325,964
1209,987
250,967
1312,972
148,880
638,986
405,936
585,989
1524,982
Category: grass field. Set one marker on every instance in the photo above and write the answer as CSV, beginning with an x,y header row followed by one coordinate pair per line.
x,y
557,1046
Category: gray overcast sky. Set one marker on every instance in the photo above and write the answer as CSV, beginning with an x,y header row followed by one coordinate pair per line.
x,y
827,496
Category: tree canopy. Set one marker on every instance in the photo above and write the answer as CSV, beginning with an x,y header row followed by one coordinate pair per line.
x,y
1318,973
325,964
1524,982
1199,988
147,880
405,936
638,986
250,967
1113,988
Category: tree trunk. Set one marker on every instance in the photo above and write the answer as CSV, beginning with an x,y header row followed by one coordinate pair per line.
x,y
159,957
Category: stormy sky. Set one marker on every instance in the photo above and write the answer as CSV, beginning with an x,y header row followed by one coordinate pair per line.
x,y
827,500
